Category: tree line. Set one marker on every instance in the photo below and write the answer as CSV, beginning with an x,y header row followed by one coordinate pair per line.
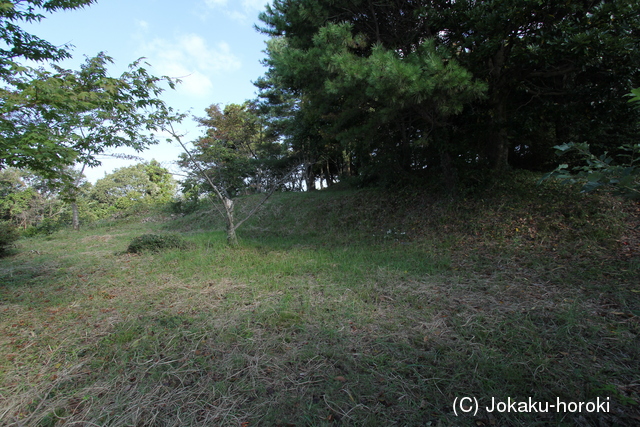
x,y
390,90
37,205
394,92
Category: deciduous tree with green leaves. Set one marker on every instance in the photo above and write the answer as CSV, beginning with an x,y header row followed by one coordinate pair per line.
x,y
53,119
234,157
19,44
28,201
19,201
140,185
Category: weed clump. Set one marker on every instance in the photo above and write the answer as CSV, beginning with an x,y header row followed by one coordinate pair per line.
x,y
157,243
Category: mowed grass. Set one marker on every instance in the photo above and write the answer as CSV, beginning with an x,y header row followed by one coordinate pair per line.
x,y
355,307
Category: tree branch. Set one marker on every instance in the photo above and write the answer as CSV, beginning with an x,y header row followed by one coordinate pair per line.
x,y
177,137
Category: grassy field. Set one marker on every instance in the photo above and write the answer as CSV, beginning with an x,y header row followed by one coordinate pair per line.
x,y
352,307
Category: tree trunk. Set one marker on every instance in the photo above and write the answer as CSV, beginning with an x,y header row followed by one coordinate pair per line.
x,y
75,221
310,177
223,195
449,174
327,174
232,238
498,145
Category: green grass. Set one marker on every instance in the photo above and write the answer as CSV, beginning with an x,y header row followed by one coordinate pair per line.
x,y
353,307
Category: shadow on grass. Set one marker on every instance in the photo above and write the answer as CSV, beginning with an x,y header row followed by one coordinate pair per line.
x,y
300,371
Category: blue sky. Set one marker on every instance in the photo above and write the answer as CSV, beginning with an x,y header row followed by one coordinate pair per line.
x,y
211,45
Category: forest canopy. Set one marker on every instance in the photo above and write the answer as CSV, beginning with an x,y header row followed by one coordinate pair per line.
x,y
408,88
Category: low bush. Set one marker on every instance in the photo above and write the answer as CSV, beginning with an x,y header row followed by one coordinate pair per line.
x,y
157,243
8,235
46,227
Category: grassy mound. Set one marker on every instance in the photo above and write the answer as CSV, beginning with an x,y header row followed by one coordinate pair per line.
x,y
352,307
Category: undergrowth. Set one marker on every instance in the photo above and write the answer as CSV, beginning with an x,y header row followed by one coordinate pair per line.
x,y
8,236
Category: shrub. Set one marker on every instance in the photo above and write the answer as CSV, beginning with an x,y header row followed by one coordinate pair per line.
x,y
46,227
620,175
157,243
8,235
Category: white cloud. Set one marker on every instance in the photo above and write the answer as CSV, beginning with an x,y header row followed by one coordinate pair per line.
x,y
144,25
189,58
243,11
193,83
254,5
214,3
220,58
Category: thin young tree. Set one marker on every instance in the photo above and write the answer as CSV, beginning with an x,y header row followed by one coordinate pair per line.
x,y
234,158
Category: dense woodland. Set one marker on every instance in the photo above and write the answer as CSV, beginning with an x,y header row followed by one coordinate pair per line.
x,y
437,94
406,89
